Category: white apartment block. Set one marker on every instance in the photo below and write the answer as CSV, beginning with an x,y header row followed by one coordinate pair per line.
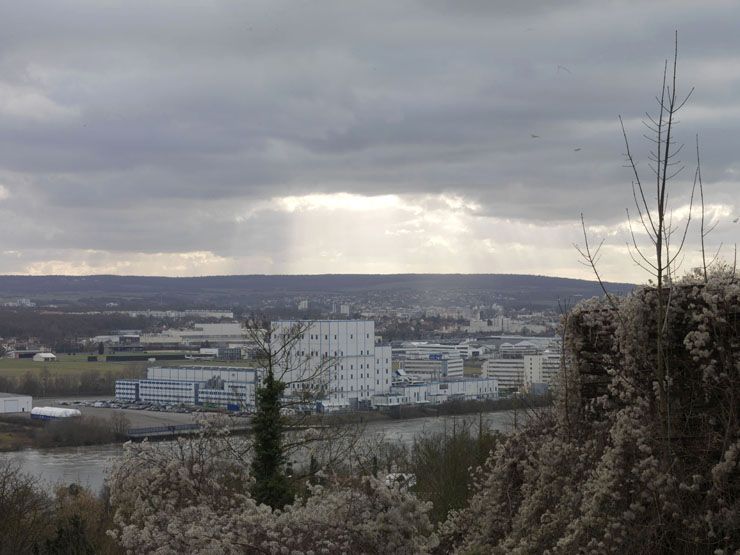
x,y
508,371
541,368
523,364
338,357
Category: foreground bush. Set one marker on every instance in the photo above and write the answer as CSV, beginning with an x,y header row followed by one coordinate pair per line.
x,y
193,497
606,473
72,521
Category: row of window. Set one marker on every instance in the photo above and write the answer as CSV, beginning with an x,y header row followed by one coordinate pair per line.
x,y
338,354
326,336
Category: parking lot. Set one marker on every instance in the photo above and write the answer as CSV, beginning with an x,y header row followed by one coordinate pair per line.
x,y
139,416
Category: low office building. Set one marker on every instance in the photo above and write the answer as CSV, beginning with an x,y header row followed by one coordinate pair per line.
x,y
434,367
420,349
524,365
418,393
216,386
508,371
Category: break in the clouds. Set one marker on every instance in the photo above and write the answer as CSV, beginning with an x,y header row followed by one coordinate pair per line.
x,y
190,138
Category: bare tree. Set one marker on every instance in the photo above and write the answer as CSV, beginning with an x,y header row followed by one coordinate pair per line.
x,y
656,218
661,253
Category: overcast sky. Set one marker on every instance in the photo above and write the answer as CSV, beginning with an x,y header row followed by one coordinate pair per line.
x,y
205,137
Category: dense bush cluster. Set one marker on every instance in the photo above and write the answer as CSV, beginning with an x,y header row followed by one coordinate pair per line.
x,y
88,382
605,472
71,520
193,497
63,331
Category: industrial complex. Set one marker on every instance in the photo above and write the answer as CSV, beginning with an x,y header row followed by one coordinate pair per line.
x,y
341,363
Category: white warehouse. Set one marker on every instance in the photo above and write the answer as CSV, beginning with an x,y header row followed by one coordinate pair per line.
x,y
12,403
339,357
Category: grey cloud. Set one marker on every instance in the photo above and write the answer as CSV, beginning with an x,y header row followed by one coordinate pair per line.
x,y
173,114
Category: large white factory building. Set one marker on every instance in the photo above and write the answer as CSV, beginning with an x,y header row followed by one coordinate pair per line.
x,y
339,357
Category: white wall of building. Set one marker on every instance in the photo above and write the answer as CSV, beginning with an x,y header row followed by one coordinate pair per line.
x,y
11,403
508,371
438,392
338,355
434,367
193,385
541,368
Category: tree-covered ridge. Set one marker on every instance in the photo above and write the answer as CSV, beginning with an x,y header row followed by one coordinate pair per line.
x,y
144,292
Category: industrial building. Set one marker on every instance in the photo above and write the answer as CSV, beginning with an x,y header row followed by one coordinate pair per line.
x,y
337,357
434,366
524,365
24,353
337,361
228,334
415,349
12,403
215,386
415,393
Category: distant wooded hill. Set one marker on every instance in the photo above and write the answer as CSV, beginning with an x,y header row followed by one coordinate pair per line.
x,y
244,289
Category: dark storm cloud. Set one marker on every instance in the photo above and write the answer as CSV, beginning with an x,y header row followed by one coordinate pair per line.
x,y
152,126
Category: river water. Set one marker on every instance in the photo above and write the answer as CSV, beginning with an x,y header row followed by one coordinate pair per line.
x,y
88,466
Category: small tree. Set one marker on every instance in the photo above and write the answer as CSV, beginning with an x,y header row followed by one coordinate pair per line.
x,y
271,485
276,353
71,539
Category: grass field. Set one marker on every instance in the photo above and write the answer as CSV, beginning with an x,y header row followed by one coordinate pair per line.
x,y
78,364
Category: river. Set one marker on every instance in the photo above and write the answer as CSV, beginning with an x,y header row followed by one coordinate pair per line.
x,y
88,466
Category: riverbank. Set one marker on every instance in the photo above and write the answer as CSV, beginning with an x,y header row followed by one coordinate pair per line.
x,y
22,432
102,426
17,433
450,408
88,466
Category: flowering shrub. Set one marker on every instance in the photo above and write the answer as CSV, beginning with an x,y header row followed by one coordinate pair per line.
x,y
605,472
193,497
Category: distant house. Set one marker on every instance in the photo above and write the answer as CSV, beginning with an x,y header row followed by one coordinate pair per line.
x,y
44,357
